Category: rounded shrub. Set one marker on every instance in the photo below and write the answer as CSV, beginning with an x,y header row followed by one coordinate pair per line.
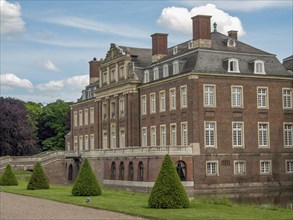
x,y
8,177
168,191
86,183
39,179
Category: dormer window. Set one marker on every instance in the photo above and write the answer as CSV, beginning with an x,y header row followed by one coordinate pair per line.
x,y
165,70
175,50
259,67
156,73
190,44
146,76
175,67
233,65
231,42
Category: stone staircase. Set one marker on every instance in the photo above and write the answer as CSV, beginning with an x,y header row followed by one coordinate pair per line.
x,y
28,162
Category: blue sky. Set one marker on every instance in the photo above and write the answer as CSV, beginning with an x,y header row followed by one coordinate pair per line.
x,y
46,45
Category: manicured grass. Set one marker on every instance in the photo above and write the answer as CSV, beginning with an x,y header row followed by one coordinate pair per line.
x,y
136,204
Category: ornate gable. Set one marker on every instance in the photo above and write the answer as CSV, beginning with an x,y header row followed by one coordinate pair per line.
x,y
114,52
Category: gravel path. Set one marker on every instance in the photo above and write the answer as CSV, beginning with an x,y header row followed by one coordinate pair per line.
x,y
18,207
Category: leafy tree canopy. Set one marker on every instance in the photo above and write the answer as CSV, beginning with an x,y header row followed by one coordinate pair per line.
x,y
17,133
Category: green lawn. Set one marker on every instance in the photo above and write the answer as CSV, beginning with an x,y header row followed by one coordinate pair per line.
x,y
136,204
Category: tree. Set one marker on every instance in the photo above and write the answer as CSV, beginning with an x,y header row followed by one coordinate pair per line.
x,y
39,179
86,183
17,133
8,177
53,125
168,191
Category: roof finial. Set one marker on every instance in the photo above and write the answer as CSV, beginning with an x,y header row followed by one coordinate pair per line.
x,y
215,26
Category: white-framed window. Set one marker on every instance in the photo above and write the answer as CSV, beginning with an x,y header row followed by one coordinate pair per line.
x,y
86,142
153,136
162,101
210,134
121,72
259,67
288,134
175,67
190,44
92,141
184,134
80,118
75,118
113,109
121,107
113,136
233,65
289,166
165,70
156,73
105,77
105,110
92,115
146,77
144,105
144,137
183,96
105,139
287,98
81,143
153,103
175,50
173,135
237,96
209,96
172,97
86,117
262,97
113,75
163,135
212,168
265,167
75,143
263,134
239,167
122,137
238,134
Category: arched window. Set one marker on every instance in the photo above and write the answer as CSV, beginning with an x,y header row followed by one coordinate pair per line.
x,y
181,170
140,171
233,65
121,171
259,67
165,70
156,73
130,171
113,171
70,173
146,78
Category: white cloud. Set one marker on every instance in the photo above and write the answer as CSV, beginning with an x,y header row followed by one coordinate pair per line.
x,y
11,21
179,19
49,65
70,84
241,5
10,80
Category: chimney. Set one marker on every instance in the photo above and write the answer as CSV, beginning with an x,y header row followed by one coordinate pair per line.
x,y
94,70
201,25
233,34
159,46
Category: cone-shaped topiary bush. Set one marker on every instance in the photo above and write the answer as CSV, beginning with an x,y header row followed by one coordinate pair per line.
x,y
168,191
8,177
39,179
86,183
